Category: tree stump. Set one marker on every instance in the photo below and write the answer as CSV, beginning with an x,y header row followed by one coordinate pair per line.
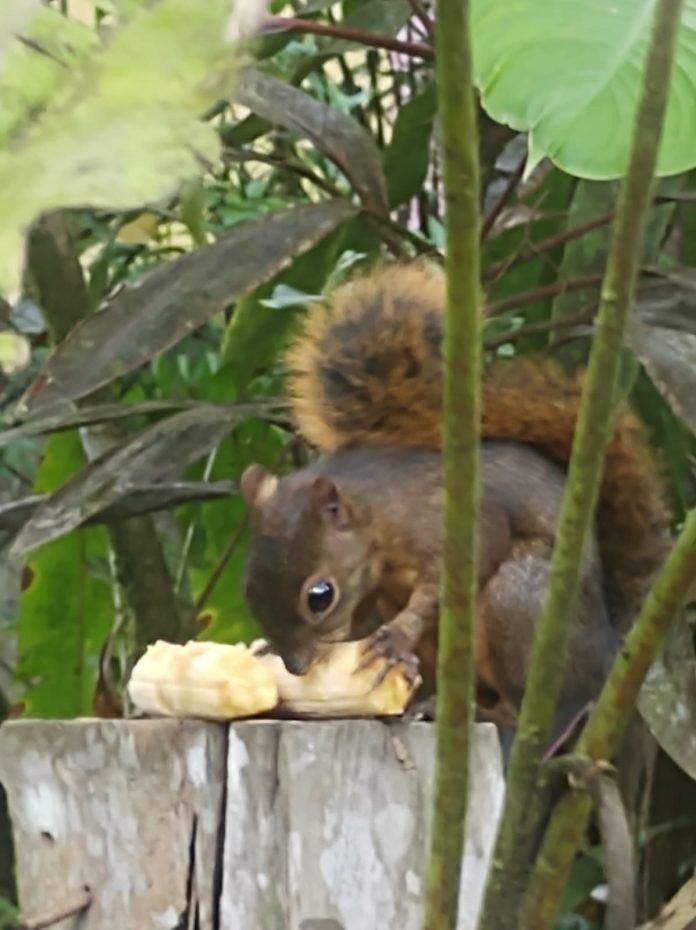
x,y
256,825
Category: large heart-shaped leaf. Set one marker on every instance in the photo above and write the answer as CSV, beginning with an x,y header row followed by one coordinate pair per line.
x,y
146,318
569,74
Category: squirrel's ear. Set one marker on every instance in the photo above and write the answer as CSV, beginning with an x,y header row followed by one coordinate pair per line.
x,y
329,504
257,485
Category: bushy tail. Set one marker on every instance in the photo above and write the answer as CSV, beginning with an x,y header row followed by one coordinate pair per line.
x,y
366,368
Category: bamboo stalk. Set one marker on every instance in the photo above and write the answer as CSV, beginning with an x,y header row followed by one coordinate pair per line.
x,y
461,429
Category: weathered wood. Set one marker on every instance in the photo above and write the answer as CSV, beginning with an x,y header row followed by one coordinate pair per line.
x,y
130,809
323,825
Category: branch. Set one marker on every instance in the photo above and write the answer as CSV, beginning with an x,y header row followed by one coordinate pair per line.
x,y
422,14
598,779
586,315
499,203
522,807
552,242
234,541
608,719
461,430
369,39
584,282
548,244
219,567
386,228
301,171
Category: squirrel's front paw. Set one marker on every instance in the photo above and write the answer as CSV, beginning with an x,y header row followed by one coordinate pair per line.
x,y
390,646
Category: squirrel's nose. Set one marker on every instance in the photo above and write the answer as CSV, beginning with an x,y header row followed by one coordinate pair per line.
x,y
298,661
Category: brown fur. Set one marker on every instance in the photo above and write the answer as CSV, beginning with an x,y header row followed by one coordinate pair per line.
x,y
366,368
367,519
363,522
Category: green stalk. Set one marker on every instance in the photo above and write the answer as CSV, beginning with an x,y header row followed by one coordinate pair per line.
x,y
523,806
607,721
461,428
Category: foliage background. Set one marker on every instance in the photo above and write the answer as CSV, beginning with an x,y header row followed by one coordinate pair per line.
x,y
324,159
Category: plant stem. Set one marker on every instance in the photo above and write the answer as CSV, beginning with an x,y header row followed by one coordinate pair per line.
x,y
499,204
583,282
347,33
522,808
530,252
607,721
586,315
423,17
461,428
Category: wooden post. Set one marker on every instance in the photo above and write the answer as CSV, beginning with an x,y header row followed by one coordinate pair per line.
x,y
259,825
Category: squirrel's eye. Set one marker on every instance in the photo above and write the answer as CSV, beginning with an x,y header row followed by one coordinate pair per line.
x,y
320,596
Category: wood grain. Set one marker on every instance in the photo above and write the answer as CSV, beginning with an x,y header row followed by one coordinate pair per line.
x,y
259,825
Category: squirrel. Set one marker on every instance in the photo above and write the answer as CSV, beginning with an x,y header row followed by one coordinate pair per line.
x,y
349,547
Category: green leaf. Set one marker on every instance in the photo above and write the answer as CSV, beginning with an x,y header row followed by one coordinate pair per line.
x,y
407,156
106,143
138,500
669,357
555,194
588,253
32,70
334,133
9,915
176,298
584,878
282,296
156,453
675,444
667,700
65,610
193,202
15,16
256,331
569,74
229,617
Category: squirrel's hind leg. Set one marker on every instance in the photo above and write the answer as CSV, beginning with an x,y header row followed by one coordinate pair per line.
x,y
508,611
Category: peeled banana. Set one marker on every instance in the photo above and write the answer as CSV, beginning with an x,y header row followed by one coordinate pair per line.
x,y
199,679
222,682
335,687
